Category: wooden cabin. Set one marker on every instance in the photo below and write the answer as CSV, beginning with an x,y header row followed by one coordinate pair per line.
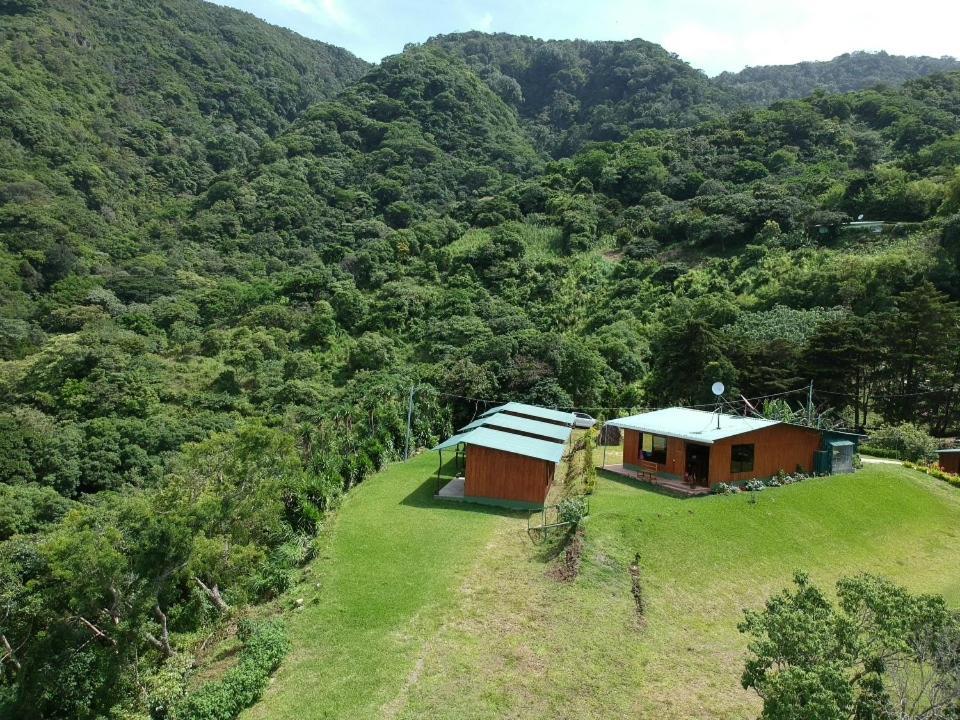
x,y
949,460
706,448
509,459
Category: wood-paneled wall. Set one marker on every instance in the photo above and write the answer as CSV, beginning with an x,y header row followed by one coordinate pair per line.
x,y
949,462
506,476
631,447
675,453
775,448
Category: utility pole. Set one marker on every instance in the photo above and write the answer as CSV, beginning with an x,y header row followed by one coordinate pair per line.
x,y
810,405
406,447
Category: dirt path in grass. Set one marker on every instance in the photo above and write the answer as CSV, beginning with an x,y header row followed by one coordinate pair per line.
x,y
419,609
520,644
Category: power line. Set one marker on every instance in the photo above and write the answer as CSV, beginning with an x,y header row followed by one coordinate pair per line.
x,y
494,401
892,395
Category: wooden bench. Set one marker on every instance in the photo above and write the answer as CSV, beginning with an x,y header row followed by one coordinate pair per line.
x,y
647,471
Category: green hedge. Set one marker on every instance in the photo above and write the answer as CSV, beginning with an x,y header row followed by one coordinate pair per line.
x,y
264,647
879,452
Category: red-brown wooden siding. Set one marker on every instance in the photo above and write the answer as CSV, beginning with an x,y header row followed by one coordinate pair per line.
x,y
631,447
950,462
675,453
506,476
779,447
776,447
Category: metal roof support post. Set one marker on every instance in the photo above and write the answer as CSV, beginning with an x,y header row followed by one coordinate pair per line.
x,y
439,467
603,463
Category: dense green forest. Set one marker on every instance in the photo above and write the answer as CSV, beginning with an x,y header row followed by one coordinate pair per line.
x,y
227,253
851,71
569,92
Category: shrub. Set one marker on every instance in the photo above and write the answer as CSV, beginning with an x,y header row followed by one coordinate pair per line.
x,y
572,510
720,489
589,470
264,647
754,485
880,452
908,440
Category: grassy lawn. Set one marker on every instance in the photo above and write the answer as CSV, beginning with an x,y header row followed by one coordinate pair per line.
x,y
389,575
434,611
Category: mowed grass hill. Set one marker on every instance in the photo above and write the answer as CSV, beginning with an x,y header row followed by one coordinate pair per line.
x,y
423,609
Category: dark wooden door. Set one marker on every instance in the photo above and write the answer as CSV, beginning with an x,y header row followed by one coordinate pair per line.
x,y
698,464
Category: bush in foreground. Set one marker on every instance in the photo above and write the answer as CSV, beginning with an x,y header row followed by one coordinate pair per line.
x,y
881,653
264,647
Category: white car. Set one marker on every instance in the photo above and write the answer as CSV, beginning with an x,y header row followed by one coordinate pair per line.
x,y
582,420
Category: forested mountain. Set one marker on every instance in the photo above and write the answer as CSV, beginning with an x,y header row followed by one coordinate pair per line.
x,y
220,281
571,91
765,84
110,111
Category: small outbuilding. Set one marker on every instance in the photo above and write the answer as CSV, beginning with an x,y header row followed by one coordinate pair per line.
x,y
507,458
949,460
700,449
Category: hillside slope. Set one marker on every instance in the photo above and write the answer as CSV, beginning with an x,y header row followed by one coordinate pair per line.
x,y
764,84
572,91
112,110
421,608
207,292
569,92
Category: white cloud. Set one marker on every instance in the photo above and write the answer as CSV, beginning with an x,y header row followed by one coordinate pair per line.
x,y
736,33
700,46
327,12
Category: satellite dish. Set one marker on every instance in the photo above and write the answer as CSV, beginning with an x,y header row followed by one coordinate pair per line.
x,y
860,216
718,388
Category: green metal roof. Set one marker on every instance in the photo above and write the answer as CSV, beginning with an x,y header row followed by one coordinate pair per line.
x,y
515,423
507,442
555,416
839,443
451,442
948,450
694,425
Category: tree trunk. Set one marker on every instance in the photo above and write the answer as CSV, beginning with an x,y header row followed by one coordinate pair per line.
x,y
114,609
97,632
10,656
163,642
213,592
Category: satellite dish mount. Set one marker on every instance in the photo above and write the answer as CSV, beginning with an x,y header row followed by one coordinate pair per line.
x,y
718,389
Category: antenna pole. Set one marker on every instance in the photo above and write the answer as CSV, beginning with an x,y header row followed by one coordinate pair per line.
x,y
810,405
406,446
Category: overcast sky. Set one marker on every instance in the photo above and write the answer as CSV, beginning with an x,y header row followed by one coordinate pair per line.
x,y
713,36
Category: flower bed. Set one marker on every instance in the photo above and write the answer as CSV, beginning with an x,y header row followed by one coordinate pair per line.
x,y
934,471
756,485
